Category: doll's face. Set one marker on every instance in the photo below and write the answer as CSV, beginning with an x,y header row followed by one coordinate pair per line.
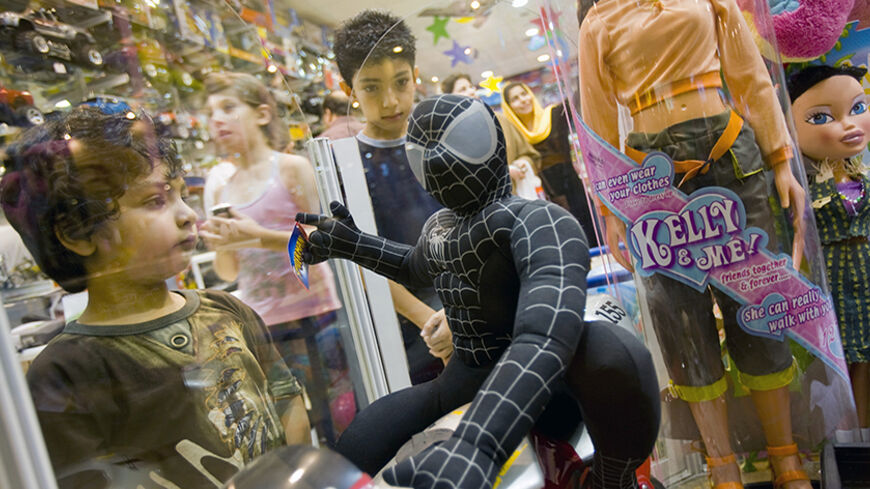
x,y
832,119
520,100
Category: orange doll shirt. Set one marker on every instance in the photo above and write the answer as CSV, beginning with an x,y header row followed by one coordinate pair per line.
x,y
633,47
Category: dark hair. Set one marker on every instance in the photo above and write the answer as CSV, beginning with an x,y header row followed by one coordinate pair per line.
x,y
371,37
806,78
66,176
450,82
337,102
253,92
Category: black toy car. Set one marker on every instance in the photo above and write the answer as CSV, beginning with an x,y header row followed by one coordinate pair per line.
x,y
40,32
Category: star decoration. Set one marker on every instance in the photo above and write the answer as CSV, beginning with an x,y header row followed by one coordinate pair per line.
x,y
438,28
491,84
459,54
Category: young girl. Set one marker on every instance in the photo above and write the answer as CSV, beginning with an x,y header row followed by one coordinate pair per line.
x,y
266,191
833,125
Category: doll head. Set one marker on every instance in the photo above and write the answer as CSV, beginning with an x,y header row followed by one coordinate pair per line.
x,y
239,104
456,150
830,111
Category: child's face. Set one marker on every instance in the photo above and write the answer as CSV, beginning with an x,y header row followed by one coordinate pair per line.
x,y
154,236
464,87
832,119
232,122
520,100
385,91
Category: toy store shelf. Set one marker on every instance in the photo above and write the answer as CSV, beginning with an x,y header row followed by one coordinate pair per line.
x,y
32,290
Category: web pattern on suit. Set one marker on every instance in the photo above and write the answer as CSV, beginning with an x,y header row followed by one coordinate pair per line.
x,y
486,247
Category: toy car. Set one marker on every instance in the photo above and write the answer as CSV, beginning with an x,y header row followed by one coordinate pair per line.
x,y
40,32
16,108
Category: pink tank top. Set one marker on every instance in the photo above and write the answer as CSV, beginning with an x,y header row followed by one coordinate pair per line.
x,y
266,282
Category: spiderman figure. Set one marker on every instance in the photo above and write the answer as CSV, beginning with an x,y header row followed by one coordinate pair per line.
x,y
511,274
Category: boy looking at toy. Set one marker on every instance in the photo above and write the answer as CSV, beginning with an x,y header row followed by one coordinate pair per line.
x,y
148,387
375,56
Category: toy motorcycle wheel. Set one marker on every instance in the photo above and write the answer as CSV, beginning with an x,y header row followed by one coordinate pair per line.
x,y
87,53
30,115
33,42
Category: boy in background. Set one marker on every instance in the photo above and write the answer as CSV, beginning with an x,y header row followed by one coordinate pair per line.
x,y
375,55
336,117
148,387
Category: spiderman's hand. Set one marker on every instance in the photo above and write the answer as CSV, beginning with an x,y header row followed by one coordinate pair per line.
x,y
454,464
335,237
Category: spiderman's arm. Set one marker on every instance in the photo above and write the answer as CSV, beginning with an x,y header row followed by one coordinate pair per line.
x,y
338,237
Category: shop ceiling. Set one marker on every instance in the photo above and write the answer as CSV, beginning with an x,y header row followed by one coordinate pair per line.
x,y
495,31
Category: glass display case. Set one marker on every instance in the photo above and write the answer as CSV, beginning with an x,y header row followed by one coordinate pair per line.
x,y
156,328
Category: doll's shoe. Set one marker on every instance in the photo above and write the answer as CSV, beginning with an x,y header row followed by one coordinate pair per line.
x,y
714,462
781,478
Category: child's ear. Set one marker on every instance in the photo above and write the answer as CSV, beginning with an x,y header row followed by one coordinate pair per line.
x,y
345,87
81,247
264,114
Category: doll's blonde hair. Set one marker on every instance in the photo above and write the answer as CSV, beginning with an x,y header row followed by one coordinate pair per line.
x,y
824,170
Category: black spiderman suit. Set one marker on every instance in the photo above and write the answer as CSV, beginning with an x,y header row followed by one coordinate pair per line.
x,y
511,274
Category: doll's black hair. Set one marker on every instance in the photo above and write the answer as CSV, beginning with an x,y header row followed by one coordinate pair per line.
x,y
371,37
804,79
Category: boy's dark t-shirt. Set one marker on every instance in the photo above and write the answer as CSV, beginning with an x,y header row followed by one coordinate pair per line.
x,y
186,399
401,207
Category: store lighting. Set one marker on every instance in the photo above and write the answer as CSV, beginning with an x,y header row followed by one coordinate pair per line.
x,y
434,79
467,51
296,475
519,3
398,49
544,58
419,81
272,69
486,74
475,5
559,53
63,104
355,104
130,115
532,32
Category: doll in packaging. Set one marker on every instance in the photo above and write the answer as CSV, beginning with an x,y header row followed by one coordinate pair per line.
x,y
833,126
667,62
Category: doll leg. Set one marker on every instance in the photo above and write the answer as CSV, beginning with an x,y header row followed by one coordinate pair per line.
x,y
683,320
766,367
711,416
774,412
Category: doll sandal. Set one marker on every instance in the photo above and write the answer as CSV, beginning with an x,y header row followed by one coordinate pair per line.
x,y
783,478
713,462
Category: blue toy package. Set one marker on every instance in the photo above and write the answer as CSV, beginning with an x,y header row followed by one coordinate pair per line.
x,y
297,244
